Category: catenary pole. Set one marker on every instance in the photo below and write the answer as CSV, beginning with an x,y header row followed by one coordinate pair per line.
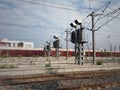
x,y
93,37
67,34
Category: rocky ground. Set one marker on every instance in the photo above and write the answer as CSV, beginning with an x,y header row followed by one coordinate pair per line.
x,y
22,66
37,65
86,80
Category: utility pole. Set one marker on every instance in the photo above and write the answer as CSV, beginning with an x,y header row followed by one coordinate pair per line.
x,y
93,15
119,48
108,43
88,42
67,34
93,36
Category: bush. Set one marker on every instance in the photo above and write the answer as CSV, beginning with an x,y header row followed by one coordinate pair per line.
x,y
35,56
5,56
99,63
118,61
6,66
48,64
19,56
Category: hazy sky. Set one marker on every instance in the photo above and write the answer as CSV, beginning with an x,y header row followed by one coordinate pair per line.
x,y
39,20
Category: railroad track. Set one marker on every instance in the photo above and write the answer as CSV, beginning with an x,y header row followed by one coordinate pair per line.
x,y
65,80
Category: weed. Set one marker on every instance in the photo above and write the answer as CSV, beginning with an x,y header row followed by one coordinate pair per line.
x,y
48,64
99,63
7,66
19,56
5,56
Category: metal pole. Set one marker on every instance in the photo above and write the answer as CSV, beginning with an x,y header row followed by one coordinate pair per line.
x,y
57,50
111,49
93,41
67,34
79,53
56,53
109,43
93,38
88,42
49,51
82,54
67,46
76,48
81,46
76,53
119,48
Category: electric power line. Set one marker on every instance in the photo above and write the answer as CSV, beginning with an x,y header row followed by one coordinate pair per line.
x,y
102,13
108,21
107,3
43,4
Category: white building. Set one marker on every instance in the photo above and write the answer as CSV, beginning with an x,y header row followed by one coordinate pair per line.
x,y
15,44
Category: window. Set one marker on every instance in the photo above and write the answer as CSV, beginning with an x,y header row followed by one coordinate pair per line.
x,y
9,44
13,44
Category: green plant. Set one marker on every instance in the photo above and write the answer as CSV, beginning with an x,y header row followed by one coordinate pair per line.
x,y
5,56
48,64
7,66
118,61
3,66
99,63
12,66
35,56
19,56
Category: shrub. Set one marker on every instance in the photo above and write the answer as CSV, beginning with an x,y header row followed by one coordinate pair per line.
x,y
48,64
99,63
6,66
5,56
19,56
118,61
35,56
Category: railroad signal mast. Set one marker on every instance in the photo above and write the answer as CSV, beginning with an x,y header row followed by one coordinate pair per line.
x,y
77,36
56,45
77,39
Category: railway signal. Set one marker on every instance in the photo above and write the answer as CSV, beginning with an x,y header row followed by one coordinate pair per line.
x,y
77,39
56,45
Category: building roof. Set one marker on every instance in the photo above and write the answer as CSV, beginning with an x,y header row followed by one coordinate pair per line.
x,y
12,41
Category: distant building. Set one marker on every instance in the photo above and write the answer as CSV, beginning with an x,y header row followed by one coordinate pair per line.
x,y
15,44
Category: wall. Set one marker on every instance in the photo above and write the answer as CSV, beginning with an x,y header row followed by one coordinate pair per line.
x,y
26,52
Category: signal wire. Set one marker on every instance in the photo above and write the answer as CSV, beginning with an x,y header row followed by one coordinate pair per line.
x,y
108,21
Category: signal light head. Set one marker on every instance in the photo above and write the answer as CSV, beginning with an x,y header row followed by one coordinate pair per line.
x,y
78,22
73,25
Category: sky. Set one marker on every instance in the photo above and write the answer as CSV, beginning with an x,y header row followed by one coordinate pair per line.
x,y
38,21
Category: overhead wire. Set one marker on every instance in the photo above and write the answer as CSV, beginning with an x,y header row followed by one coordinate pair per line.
x,y
45,27
112,12
103,6
48,5
102,13
108,21
62,4
43,4
31,2
65,8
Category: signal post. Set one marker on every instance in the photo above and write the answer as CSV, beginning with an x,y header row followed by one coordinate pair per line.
x,y
77,39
